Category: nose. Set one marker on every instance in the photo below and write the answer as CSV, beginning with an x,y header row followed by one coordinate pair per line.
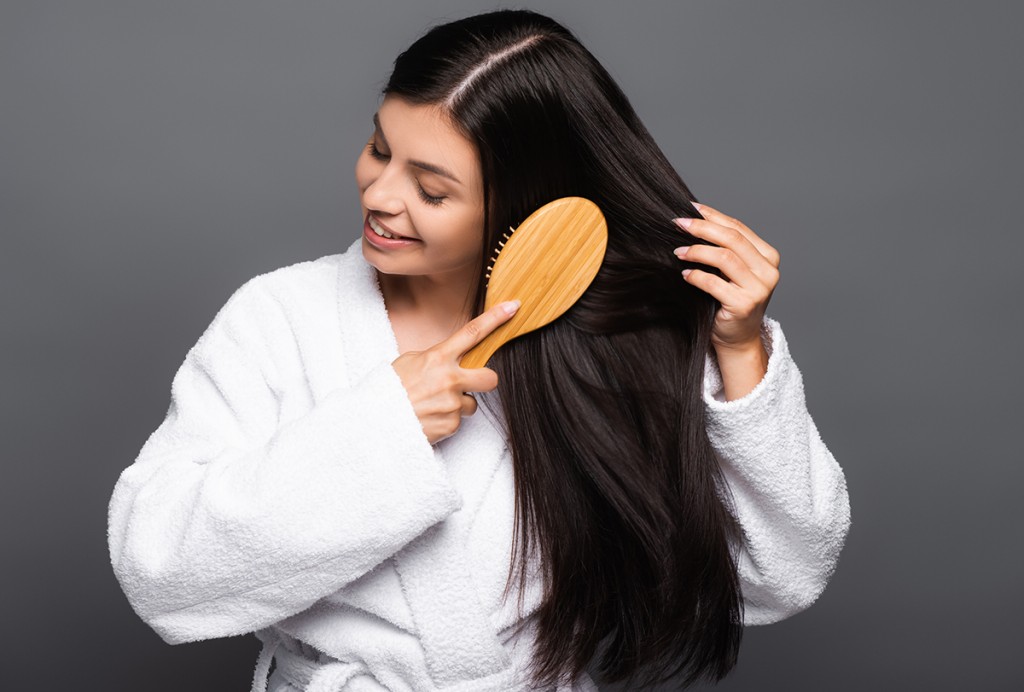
x,y
382,194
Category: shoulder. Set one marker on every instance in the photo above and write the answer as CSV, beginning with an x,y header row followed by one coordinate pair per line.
x,y
303,280
299,288
283,298
302,301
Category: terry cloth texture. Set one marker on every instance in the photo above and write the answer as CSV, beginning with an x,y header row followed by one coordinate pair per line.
x,y
291,492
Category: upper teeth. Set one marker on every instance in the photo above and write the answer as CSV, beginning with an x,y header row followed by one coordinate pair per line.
x,y
380,231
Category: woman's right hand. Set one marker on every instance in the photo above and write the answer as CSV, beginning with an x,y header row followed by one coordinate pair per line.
x,y
438,386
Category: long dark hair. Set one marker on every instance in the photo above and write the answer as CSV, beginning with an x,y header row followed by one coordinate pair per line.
x,y
618,491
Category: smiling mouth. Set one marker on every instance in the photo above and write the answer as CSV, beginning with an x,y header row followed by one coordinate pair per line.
x,y
382,232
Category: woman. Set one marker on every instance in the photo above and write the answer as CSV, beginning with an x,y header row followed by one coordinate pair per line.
x,y
645,479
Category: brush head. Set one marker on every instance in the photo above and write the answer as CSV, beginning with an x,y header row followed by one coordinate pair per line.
x,y
547,263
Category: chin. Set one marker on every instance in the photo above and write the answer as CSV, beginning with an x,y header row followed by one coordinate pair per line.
x,y
374,259
370,255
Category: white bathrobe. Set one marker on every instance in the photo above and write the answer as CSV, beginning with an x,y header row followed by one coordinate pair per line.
x,y
291,492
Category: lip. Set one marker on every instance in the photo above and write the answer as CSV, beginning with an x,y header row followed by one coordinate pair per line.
x,y
382,242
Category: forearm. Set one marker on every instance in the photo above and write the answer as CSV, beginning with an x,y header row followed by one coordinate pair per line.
x,y
742,369
785,487
256,497
209,539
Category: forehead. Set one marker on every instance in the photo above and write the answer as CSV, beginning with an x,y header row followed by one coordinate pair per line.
x,y
424,133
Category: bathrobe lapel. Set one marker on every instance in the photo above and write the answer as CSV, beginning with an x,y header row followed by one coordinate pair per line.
x,y
453,627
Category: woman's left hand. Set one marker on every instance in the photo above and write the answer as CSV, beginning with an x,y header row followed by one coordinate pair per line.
x,y
749,263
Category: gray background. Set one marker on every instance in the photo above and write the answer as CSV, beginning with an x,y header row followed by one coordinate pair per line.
x,y
154,156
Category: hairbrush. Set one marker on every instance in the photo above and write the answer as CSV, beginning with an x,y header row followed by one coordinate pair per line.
x,y
547,262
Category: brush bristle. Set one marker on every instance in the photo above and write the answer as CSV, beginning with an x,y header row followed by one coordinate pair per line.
x,y
497,251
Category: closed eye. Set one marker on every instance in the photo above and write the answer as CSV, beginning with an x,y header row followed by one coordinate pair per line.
x,y
381,156
375,152
429,199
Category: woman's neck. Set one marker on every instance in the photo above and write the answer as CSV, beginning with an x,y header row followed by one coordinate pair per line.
x,y
427,299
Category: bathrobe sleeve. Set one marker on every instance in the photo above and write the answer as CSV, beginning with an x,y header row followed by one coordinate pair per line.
x,y
229,520
789,493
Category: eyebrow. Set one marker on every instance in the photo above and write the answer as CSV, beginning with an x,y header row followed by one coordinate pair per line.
x,y
443,172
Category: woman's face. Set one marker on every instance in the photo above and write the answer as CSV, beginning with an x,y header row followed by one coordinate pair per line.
x,y
420,178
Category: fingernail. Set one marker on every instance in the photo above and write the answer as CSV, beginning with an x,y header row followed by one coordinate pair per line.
x,y
685,223
680,251
696,205
510,306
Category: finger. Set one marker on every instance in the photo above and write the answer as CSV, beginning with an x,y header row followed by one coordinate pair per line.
x,y
469,405
733,240
734,268
477,379
726,237
726,293
474,331
766,250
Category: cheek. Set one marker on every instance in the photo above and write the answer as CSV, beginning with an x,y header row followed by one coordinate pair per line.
x,y
451,231
471,231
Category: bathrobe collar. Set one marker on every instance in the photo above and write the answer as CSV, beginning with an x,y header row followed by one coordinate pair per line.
x,y
456,632
361,302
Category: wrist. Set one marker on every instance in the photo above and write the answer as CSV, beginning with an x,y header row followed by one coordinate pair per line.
x,y
742,368
746,351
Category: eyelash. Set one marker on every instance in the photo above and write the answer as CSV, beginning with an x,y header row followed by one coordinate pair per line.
x,y
428,199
